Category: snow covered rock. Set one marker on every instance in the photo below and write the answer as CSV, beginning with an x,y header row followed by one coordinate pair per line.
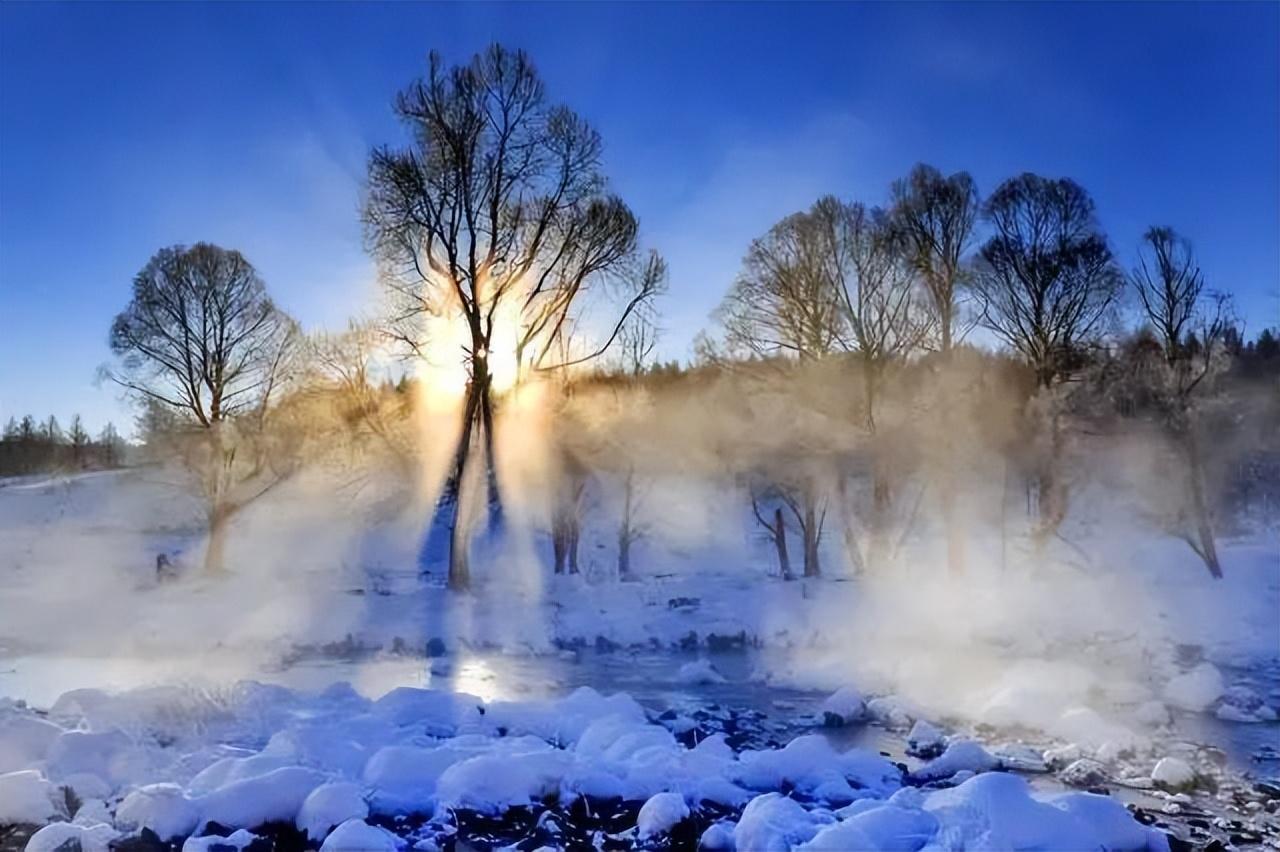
x,y
492,783
274,797
699,673
718,836
1195,690
1084,773
440,714
1173,774
238,840
925,740
26,797
773,823
660,814
24,740
893,712
163,808
960,756
1020,757
356,835
403,778
330,805
810,764
843,707
110,755
60,836
876,825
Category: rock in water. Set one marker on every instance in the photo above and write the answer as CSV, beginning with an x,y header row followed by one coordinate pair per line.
x,y
1084,773
843,707
1195,690
925,740
1173,774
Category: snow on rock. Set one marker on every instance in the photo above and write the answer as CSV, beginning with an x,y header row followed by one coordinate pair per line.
x,y
61,836
1171,773
1020,757
492,783
718,836
163,808
213,843
438,713
24,740
875,825
996,810
110,755
925,740
356,835
274,797
773,823
1195,690
844,706
660,814
961,755
698,673
330,805
893,712
809,764
26,796
230,770
1084,772
403,778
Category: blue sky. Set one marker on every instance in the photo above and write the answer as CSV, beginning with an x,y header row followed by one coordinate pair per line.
x,y
128,127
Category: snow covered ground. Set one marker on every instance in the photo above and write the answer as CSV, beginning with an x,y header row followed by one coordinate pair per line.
x,y
1111,653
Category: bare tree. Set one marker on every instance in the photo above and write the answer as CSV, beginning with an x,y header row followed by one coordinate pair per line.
x,y
79,440
498,213
933,219
201,341
1047,280
1189,327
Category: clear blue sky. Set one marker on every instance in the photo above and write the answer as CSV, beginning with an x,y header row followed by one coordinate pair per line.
x,y
127,127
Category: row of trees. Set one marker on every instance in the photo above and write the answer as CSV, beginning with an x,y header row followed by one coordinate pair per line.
x,y
30,446
497,221
881,286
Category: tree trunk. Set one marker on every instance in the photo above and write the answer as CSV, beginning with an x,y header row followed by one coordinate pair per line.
x,y
460,532
1052,492
216,547
1200,504
626,531
780,542
811,566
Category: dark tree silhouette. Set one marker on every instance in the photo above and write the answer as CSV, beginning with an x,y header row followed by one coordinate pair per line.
x,y
1189,327
202,342
1046,279
498,208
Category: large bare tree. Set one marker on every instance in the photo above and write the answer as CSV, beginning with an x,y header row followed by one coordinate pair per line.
x,y
202,342
1047,280
1189,325
934,217
498,212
